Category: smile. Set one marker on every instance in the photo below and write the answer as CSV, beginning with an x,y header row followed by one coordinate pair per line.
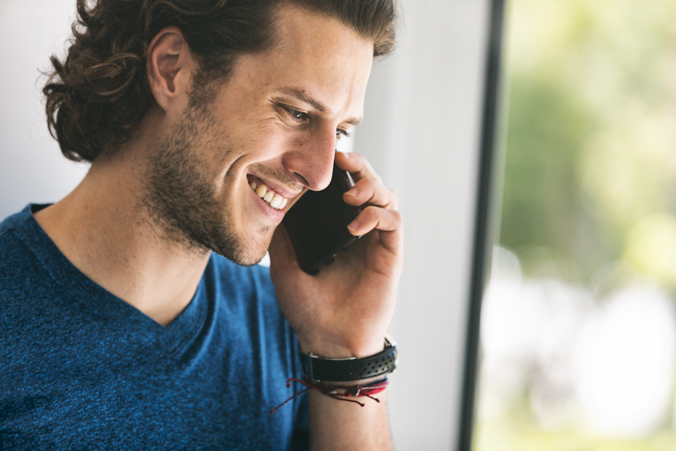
x,y
275,200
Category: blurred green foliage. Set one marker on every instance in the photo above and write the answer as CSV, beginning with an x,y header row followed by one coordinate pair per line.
x,y
589,167
541,197
591,131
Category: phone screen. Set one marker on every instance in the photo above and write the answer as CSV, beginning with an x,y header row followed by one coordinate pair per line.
x,y
317,223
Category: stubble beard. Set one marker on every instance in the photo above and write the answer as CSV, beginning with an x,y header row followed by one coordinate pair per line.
x,y
181,201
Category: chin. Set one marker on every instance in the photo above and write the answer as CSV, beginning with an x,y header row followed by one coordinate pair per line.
x,y
245,251
242,257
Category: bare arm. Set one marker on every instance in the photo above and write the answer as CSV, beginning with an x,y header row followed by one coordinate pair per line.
x,y
336,425
346,309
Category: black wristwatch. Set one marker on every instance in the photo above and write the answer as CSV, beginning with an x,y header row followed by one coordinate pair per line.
x,y
319,369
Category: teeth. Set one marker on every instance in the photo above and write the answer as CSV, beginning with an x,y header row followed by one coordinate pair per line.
x,y
275,200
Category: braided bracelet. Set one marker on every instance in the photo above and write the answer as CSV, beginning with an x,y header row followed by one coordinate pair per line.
x,y
339,392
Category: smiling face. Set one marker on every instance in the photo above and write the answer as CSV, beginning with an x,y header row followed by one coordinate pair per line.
x,y
224,176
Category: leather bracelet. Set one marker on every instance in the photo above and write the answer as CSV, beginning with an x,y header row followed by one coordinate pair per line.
x,y
318,369
341,393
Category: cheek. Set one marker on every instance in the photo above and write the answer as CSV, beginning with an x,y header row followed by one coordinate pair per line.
x,y
268,140
298,140
230,165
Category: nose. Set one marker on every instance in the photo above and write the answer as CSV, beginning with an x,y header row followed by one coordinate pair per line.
x,y
312,159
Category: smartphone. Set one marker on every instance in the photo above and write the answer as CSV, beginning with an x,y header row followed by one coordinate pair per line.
x,y
317,223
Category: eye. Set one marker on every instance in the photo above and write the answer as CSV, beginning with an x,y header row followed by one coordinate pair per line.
x,y
297,116
340,133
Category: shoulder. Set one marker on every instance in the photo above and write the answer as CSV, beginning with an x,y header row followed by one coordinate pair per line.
x,y
19,227
17,256
29,262
25,284
13,223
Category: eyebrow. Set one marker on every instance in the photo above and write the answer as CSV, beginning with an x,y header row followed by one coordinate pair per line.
x,y
303,96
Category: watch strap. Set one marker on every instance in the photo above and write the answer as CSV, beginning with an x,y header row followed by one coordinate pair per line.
x,y
320,369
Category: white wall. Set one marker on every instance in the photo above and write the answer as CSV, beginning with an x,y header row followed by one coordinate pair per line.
x,y
32,168
421,133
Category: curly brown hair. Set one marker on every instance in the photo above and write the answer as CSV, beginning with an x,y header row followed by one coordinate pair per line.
x,y
98,96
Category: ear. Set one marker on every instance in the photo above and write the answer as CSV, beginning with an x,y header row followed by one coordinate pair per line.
x,y
170,67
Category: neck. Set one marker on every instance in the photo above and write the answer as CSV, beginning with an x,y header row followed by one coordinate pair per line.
x,y
102,229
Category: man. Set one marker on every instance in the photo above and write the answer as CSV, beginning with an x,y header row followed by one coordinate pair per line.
x,y
120,327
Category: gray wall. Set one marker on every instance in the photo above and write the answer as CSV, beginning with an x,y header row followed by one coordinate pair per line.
x,y
31,166
421,133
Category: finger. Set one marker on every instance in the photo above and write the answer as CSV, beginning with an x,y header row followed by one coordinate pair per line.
x,y
367,191
375,218
388,222
357,166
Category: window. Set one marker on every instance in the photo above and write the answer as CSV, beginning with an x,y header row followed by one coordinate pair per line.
x,y
578,328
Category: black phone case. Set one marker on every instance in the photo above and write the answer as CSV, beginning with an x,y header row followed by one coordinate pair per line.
x,y
317,223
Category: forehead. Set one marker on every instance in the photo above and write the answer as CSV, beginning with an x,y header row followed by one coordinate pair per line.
x,y
315,54
323,39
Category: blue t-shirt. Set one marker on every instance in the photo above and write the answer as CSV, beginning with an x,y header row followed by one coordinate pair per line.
x,y
81,369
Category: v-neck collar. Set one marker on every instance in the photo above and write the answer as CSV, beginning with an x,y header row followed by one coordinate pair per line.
x,y
173,338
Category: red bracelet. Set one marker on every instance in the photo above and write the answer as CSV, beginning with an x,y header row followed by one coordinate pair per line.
x,y
334,391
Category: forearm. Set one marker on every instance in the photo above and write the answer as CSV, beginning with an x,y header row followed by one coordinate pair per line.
x,y
343,314
340,425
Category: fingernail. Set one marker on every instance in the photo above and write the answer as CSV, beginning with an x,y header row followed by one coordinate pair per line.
x,y
352,192
354,226
347,154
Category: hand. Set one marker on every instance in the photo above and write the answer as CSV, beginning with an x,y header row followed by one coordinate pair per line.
x,y
345,310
